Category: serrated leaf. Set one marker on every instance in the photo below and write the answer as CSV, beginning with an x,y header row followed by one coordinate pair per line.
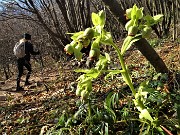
x,y
139,13
113,72
128,42
107,38
75,35
94,73
149,20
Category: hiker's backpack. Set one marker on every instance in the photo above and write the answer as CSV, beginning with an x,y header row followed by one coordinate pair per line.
x,y
19,49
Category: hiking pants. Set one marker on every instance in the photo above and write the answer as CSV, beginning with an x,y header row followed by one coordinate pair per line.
x,y
21,62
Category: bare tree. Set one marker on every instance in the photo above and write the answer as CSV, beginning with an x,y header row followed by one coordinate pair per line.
x,y
57,17
142,45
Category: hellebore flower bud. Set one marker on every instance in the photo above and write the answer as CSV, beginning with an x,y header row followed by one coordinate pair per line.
x,y
78,55
128,13
69,49
79,47
132,31
73,44
129,24
89,33
146,32
80,39
94,53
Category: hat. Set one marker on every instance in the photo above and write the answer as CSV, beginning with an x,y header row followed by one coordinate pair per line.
x,y
27,36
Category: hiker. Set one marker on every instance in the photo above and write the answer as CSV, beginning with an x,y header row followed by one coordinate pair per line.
x,y
24,60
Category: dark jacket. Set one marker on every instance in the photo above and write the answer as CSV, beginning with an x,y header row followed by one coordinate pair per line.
x,y
29,50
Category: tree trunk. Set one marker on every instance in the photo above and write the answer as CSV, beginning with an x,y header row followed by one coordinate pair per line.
x,y
143,46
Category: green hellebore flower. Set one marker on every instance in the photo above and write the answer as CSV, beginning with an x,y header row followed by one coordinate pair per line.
x,y
80,38
146,32
79,47
89,33
95,44
94,53
132,31
69,49
78,55
129,24
128,13
73,44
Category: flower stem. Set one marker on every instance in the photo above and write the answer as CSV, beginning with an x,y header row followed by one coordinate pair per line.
x,y
121,60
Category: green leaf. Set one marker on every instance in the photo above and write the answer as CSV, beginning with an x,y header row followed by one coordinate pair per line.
x,y
75,35
126,44
112,113
139,13
94,73
102,63
115,99
102,16
69,122
149,20
63,119
107,57
108,100
106,129
145,114
134,12
95,43
78,54
84,70
106,38
113,72
158,18
95,19
129,40
79,112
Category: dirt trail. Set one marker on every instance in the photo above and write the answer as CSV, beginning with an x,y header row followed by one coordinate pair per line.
x,y
8,88
169,52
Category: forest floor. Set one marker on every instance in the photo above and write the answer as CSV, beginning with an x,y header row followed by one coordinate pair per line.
x,y
53,91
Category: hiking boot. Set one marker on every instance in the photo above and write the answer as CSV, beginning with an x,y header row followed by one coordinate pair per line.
x,y
27,83
19,88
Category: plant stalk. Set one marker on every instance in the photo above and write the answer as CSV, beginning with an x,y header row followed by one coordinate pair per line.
x,y
121,60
